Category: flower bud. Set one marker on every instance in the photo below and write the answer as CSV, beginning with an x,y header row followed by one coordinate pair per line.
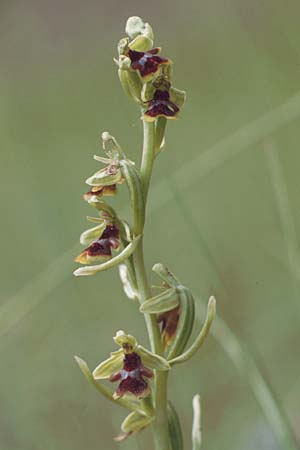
x,y
133,423
135,27
131,84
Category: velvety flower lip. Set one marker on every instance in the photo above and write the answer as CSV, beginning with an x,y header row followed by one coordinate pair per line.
x,y
169,321
102,247
161,106
146,63
132,377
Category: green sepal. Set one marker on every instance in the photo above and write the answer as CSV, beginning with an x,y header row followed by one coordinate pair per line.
x,y
94,219
110,366
141,44
151,360
198,342
135,422
84,368
90,235
165,301
123,46
115,261
132,424
131,84
167,71
164,273
104,178
160,130
175,432
102,206
185,323
178,97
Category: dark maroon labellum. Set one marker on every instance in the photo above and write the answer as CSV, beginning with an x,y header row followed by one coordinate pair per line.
x,y
147,63
161,105
132,377
169,321
108,240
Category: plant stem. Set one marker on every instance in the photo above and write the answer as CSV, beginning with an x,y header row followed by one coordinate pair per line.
x,y
148,156
145,293
160,425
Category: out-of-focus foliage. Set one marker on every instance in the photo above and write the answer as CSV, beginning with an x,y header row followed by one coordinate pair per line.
x,y
231,230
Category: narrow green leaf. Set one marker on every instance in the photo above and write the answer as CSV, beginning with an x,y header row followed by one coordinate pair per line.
x,y
174,428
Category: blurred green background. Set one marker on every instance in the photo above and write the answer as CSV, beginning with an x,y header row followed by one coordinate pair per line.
x,y
224,213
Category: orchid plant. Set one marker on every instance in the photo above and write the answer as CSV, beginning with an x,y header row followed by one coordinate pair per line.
x,y
141,374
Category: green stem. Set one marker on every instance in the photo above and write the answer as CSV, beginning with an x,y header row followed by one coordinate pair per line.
x,y
160,424
144,294
148,156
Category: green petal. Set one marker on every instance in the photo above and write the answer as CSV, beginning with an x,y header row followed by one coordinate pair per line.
x,y
110,366
151,360
90,235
